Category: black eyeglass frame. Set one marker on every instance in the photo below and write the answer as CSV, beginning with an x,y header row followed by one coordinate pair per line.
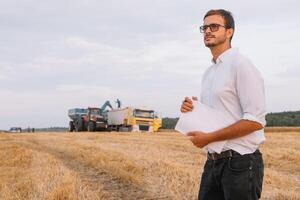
x,y
212,27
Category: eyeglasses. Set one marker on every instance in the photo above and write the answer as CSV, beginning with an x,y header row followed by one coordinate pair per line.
x,y
212,27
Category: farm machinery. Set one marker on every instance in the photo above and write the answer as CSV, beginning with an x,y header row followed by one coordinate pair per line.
x,y
132,119
127,119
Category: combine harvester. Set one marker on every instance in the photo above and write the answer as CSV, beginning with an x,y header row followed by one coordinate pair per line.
x,y
127,119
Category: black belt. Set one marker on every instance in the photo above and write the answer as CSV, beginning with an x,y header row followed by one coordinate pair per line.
x,y
227,154
224,154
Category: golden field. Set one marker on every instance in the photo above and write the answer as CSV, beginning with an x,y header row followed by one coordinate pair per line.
x,y
91,166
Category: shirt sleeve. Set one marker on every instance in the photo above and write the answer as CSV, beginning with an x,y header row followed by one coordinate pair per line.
x,y
251,92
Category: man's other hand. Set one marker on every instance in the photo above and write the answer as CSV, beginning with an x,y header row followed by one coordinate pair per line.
x,y
199,139
187,104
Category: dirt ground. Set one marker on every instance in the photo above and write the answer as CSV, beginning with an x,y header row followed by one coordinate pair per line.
x,y
91,166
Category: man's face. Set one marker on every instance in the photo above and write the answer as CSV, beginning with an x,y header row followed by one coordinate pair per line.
x,y
212,39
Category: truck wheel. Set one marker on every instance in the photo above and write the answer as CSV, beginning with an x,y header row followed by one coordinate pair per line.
x,y
91,127
79,125
71,126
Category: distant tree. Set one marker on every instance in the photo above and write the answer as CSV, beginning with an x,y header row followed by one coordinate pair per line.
x,y
52,129
169,123
283,118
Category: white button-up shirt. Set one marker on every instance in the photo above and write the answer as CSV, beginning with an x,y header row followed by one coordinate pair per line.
x,y
234,86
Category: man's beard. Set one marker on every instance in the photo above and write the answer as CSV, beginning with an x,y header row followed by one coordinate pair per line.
x,y
216,43
211,45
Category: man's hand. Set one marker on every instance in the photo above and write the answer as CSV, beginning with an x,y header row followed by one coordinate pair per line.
x,y
199,139
187,104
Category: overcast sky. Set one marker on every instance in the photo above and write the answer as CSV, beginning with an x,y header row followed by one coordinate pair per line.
x,y
56,55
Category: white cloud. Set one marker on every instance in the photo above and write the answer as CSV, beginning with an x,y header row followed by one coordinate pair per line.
x,y
2,77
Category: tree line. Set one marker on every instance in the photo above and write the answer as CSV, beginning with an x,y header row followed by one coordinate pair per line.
x,y
288,118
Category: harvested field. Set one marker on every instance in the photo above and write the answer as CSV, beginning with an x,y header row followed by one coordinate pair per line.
x,y
91,166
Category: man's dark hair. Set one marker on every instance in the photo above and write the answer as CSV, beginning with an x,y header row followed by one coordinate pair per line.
x,y
227,16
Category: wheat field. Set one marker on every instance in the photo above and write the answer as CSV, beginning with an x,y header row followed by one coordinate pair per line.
x,y
92,166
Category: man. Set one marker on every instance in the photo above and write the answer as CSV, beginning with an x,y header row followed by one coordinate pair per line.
x,y
234,86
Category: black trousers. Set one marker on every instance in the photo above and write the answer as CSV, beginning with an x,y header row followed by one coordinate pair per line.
x,y
239,177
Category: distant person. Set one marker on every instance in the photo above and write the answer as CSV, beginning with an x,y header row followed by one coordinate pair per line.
x,y
32,130
233,85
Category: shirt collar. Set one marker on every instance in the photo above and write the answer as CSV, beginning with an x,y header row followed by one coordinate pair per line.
x,y
226,55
